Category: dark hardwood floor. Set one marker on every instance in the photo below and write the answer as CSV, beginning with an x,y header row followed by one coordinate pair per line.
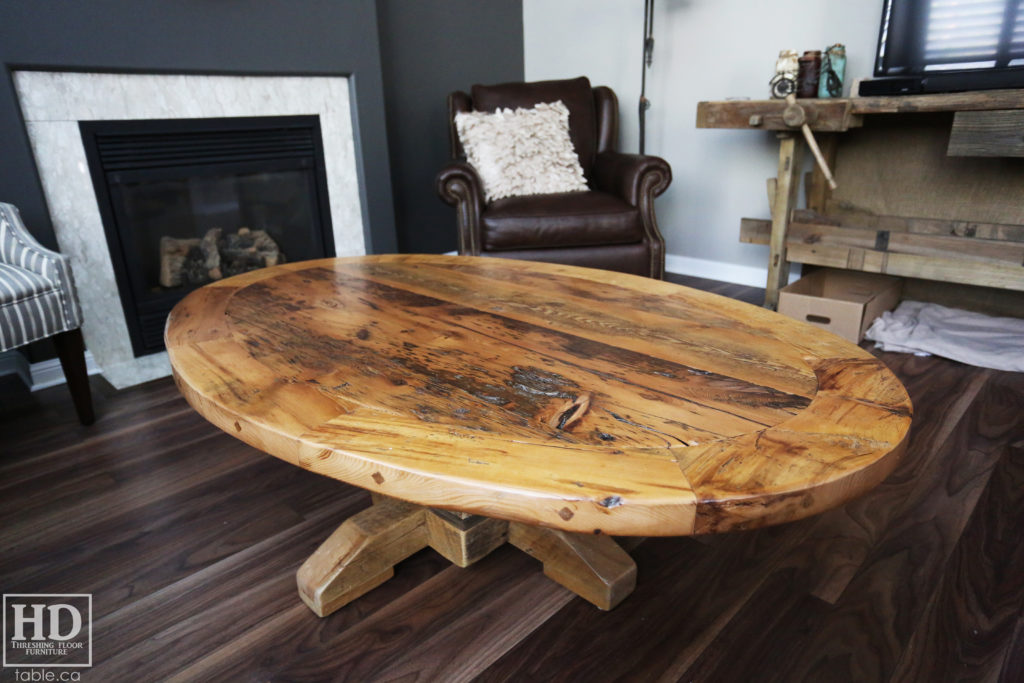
x,y
189,542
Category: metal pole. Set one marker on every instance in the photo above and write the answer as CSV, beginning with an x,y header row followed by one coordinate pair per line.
x,y
648,55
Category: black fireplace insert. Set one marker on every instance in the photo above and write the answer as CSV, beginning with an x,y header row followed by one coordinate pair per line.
x,y
185,202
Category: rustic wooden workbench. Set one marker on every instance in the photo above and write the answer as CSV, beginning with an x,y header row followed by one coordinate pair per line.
x,y
927,189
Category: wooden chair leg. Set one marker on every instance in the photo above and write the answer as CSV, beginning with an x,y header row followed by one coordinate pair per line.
x,y
71,351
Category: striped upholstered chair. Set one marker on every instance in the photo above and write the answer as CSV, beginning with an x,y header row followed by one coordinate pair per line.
x,y
38,300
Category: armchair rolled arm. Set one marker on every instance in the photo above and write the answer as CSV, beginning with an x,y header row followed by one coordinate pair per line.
x,y
19,248
637,179
629,176
459,185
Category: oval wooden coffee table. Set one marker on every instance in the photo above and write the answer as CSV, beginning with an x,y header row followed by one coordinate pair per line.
x,y
483,400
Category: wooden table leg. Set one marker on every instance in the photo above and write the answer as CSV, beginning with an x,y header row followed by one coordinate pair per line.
x,y
593,567
463,539
791,148
362,553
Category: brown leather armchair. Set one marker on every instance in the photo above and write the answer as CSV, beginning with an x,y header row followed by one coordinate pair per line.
x,y
610,226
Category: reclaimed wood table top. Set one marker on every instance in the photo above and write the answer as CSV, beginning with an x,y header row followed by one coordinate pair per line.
x,y
571,398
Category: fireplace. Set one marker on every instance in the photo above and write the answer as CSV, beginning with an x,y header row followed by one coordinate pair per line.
x,y
188,201
53,103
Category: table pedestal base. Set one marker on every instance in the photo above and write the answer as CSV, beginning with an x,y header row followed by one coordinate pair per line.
x,y
362,553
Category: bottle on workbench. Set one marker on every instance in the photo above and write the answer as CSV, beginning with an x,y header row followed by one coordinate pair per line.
x,y
808,73
833,71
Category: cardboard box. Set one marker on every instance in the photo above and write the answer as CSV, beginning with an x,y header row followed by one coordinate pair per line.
x,y
841,301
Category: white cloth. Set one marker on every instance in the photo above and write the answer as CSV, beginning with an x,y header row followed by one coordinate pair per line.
x,y
972,338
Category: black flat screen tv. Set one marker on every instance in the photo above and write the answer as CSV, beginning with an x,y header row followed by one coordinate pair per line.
x,y
935,46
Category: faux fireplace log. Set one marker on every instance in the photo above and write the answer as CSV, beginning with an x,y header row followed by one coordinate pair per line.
x,y
196,261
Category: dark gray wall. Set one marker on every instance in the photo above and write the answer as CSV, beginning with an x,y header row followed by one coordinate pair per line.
x,y
428,49
314,37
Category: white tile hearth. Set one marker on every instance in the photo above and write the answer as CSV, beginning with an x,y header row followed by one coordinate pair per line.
x,y
53,103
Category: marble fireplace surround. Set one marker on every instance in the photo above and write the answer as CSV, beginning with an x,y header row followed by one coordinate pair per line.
x,y
52,104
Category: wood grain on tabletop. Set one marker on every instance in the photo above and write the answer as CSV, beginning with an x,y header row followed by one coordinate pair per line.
x,y
572,398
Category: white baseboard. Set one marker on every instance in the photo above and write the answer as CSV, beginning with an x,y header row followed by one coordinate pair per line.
x,y
13,362
750,276
48,373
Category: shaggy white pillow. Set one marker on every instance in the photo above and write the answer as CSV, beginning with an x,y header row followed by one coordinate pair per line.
x,y
521,152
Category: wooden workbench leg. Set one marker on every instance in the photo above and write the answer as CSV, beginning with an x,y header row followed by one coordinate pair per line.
x,y
791,148
593,567
361,554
